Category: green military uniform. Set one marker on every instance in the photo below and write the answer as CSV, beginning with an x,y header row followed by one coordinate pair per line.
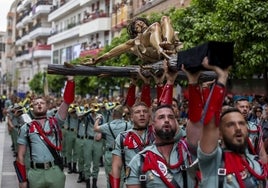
x,y
213,165
126,150
150,168
93,150
70,141
43,171
14,132
111,130
80,142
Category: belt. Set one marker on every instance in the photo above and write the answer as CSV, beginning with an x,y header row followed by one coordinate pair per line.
x,y
81,137
70,129
90,137
42,165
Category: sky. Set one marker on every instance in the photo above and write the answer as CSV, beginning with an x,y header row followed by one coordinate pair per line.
x,y
5,7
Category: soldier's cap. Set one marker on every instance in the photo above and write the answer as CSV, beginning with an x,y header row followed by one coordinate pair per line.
x,y
119,109
72,108
17,106
81,111
95,107
218,53
109,105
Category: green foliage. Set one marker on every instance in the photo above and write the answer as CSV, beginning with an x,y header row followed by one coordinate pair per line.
x,y
243,21
36,84
55,83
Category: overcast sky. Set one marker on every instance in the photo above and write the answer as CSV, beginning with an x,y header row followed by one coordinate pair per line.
x,y
5,7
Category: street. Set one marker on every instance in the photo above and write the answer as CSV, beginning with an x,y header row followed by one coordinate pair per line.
x,y
8,178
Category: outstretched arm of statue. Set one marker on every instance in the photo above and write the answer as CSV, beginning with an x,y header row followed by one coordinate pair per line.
x,y
118,50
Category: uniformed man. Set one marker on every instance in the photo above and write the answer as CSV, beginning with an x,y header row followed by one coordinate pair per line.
x,y
93,149
13,122
163,163
70,141
226,164
43,135
111,130
80,141
255,142
129,143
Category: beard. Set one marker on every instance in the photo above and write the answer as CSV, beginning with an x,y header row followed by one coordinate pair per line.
x,y
165,135
237,148
40,114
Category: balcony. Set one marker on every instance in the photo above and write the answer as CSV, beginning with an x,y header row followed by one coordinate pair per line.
x,y
39,31
25,38
26,2
27,19
41,8
84,2
96,25
65,35
23,56
91,52
20,7
63,10
19,41
19,25
41,51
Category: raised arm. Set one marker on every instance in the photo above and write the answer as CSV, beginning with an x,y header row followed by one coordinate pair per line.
x,y
195,108
213,105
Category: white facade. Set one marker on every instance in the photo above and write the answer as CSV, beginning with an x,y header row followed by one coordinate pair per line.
x,y
78,26
33,54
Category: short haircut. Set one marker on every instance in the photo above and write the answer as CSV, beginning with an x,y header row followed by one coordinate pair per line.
x,y
241,99
229,110
138,104
163,106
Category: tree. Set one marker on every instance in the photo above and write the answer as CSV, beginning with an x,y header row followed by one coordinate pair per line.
x,y
36,83
243,21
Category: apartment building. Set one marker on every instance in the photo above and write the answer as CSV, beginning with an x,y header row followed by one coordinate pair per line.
x,y
79,28
32,31
58,31
9,84
2,57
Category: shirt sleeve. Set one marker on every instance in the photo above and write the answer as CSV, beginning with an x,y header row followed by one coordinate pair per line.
x,y
133,171
22,133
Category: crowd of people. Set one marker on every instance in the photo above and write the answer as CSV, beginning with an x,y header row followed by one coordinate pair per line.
x,y
208,140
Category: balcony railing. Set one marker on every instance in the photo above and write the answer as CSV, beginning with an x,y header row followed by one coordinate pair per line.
x,y
91,52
